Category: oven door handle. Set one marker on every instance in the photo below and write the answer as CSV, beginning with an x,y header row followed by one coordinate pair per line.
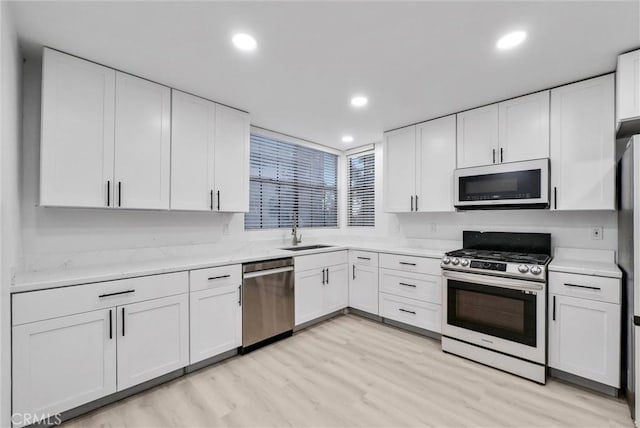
x,y
515,284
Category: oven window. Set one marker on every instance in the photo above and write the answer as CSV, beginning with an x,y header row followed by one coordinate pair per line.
x,y
500,312
505,185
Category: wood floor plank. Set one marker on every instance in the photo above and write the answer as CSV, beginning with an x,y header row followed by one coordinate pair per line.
x,y
351,371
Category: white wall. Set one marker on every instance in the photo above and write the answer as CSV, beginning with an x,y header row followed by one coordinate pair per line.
x,y
10,249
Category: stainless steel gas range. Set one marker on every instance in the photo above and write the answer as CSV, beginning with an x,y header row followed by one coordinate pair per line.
x,y
495,301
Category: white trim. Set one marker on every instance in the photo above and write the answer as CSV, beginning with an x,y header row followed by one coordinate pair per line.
x,y
263,132
360,150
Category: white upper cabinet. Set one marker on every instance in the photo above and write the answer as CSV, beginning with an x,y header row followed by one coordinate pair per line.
x,y
399,154
583,145
231,160
477,139
628,86
142,143
435,162
524,128
193,122
76,152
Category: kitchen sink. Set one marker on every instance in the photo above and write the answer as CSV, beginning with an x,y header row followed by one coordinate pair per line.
x,y
307,247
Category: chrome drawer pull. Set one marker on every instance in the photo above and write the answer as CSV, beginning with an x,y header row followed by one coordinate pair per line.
x,y
407,263
583,286
407,285
218,277
409,312
116,294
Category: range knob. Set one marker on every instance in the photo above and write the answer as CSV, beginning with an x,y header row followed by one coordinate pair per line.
x,y
455,261
464,262
446,260
523,268
536,270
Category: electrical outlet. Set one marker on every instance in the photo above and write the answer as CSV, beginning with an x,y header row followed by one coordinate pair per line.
x,y
596,232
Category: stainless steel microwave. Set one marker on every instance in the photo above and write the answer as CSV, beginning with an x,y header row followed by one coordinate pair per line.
x,y
522,184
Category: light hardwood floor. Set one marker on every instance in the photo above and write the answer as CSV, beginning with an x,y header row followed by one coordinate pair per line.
x,y
350,371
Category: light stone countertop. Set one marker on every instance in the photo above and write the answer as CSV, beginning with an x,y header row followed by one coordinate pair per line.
x,y
586,267
52,278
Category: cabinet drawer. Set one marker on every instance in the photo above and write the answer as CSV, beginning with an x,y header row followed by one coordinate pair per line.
x,y
585,286
363,258
57,302
320,261
413,285
419,314
223,276
410,263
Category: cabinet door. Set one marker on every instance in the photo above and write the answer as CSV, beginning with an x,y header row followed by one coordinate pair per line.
x,y
582,145
231,160
628,86
309,289
435,163
336,289
153,339
76,148
363,288
477,139
524,128
143,143
216,322
61,363
584,338
193,122
399,170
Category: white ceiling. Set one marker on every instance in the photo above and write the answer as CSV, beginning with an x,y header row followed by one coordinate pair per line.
x,y
414,60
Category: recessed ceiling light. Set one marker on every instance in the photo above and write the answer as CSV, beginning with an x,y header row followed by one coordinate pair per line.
x,y
347,139
244,42
359,101
511,40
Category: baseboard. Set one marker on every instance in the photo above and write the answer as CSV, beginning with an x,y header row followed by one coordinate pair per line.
x,y
583,382
210,361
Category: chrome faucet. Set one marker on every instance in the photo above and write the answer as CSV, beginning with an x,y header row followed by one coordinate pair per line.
x,y
295,240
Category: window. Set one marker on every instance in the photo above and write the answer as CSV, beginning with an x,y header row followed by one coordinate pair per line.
x,y
361,198
287,178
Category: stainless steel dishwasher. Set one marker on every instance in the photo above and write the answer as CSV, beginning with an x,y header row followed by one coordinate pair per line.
x,y
267,302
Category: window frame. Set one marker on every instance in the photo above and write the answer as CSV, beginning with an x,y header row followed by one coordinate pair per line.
x,y
349,218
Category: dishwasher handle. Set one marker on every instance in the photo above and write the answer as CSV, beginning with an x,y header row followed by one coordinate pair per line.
x,y
267,272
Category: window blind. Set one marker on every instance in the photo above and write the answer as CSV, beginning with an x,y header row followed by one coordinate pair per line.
x,y
287,178
361,197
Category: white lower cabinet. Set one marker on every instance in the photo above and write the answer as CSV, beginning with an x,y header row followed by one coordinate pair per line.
x,y
410,311
153,339
321,285
363,288
584,338
63,362
216,322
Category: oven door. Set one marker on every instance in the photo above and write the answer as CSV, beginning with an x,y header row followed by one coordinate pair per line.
x,y
523,184
502,314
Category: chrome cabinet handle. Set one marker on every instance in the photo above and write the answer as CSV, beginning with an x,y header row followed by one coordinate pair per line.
x,y
407,311
407,285
116,293
218,277
588,287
